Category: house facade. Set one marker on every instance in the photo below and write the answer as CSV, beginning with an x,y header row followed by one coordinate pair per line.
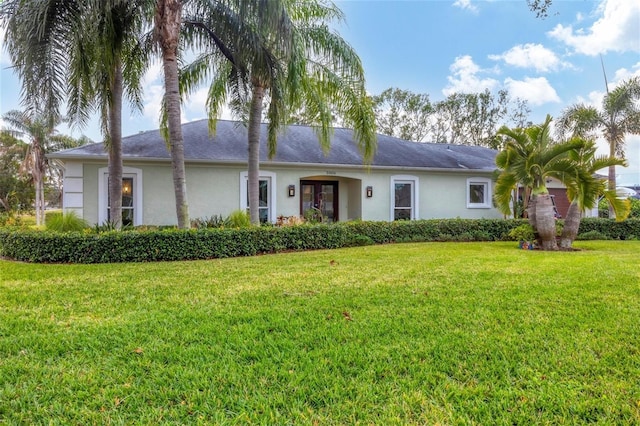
x,y
405,180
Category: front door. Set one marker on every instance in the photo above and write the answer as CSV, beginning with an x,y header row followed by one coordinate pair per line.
x,y
321,196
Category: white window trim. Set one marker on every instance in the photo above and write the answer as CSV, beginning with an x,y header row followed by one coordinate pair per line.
x,y
487,194
103,197
415,184
263,175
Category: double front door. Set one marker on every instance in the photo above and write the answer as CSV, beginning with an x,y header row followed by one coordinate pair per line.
x,y
322,196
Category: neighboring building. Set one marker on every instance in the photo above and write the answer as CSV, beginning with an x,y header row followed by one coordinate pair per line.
x,y
405,180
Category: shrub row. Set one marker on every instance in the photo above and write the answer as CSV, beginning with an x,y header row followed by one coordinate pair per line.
x,y
172,244
626,230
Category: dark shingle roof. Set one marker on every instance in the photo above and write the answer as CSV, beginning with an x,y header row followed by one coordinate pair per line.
x,y
296,144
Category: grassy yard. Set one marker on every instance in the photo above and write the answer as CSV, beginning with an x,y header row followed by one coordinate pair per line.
x,y
433,333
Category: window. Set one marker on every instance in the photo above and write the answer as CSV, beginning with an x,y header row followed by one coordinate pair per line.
x,y
404,197
131,196
266,196
478,193
127,201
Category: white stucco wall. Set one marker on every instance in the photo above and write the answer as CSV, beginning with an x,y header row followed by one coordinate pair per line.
x,y
215,190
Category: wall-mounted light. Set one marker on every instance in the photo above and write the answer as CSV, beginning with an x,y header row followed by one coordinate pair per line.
x,y
369,191
292,190
126,189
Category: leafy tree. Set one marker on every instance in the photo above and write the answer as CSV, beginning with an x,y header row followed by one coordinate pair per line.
x,y
403,114
540,7
42,138
529,158
584,189
473,118
292,63
16,190
619,116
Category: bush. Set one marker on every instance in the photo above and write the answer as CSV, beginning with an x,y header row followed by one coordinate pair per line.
x,y
592,235
238,219
162,244
215,221
65,222
523,232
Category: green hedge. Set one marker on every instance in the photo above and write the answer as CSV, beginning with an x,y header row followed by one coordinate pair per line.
x,y
172,244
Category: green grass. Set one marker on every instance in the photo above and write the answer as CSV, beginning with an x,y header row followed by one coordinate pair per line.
x,y
448,333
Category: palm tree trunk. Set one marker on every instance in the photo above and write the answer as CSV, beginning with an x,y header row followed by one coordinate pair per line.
x,y
612,177
115,149
531,213
571,226
545,222
255,115
38,180
167,21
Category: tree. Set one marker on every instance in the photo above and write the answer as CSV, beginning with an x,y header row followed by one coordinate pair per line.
x,y
473,118
540,7
42,138
585,188
403,114
16,191
529,158
619,116
85,53
293,63
167,22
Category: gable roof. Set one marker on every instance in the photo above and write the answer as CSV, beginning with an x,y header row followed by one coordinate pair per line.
x,y
296,145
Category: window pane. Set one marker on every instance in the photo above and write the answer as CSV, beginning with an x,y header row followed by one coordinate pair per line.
x,y
326,201
127,201
476,193
263,188
263,214
127,217
127,192
403,195
402,214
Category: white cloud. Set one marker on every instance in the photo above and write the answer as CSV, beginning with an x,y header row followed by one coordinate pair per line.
x,y
630,175
465,77
531,56
625,74
153,92
617,29
536,91
466,5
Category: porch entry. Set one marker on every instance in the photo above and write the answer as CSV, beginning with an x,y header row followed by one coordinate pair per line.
x,y
320,195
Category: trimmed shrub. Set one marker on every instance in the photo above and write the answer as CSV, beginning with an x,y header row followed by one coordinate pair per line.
x,y
166,244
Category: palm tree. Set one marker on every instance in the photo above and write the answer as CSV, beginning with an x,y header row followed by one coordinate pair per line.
x,y
619,116
42,138
167,23
529,158
295,61
584,192
86,53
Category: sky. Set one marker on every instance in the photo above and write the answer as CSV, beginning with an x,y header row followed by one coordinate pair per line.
x,y
439,47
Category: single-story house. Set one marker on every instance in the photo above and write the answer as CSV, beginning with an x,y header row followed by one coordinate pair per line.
x,y
405,180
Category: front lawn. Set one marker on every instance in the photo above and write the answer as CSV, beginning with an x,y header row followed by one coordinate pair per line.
x,y
449,333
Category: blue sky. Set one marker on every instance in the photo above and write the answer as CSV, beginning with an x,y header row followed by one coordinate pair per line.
x,y
439,47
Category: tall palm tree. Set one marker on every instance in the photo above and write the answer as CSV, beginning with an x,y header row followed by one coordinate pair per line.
x,y
85,53
529,158
619,116
42,138
167,23
585,190
292,63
